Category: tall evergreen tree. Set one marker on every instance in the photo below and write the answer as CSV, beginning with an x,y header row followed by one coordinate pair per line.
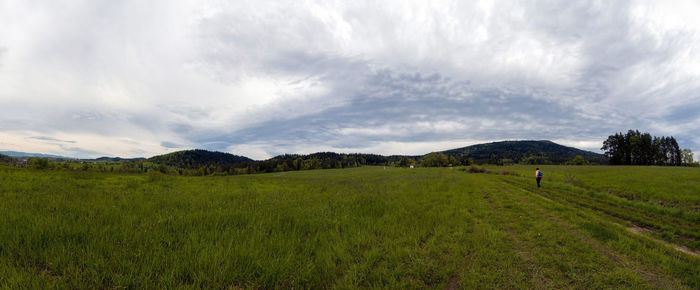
x,y
636,148
614,148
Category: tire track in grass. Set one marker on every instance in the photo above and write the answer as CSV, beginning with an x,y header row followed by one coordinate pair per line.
x,y
632,209
648,227
538,208
454,282
635,227
492,262
621,260
674,262
509,217
637,230
648,221
520,249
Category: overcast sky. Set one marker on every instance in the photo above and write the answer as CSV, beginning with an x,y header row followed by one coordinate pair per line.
x,y
262,78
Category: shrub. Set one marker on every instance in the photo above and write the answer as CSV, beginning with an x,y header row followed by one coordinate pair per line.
x,y
39,163
474,169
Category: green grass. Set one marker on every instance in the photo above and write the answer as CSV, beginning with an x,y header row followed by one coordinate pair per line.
x,y
673,187
368,227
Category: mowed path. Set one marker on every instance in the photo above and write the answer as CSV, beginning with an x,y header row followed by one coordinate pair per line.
x,y
543,240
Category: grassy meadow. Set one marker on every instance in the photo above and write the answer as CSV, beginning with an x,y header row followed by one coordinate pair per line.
x,y
368,227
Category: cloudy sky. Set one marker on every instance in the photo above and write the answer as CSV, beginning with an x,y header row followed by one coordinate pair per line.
x,y
262,78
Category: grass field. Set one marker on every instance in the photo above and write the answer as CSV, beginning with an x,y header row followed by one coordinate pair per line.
x,y
370,227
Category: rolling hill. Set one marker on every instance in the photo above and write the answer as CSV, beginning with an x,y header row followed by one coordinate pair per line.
x,y
193,159
540,152
526,152
517,150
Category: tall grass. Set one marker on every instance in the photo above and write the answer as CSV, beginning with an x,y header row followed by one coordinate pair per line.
x,y
353,228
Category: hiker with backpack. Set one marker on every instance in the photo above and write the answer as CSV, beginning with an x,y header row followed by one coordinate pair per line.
x,y
538,176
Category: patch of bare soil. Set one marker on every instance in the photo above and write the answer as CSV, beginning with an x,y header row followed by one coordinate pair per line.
x,y
635,229
453,284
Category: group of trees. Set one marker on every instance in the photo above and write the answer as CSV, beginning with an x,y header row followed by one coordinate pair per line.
x,y
635,148
438,159
632,148
578,160
435,159
687,158
535,159
321,160
7,160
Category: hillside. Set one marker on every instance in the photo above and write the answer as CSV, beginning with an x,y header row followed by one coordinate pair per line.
x,y
115,159
540,152
204,162
6,159
494,152
193,159
320,160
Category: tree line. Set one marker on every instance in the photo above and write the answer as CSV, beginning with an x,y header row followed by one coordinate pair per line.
x,y
636,148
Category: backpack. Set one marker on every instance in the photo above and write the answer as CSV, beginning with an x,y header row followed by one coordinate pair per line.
x,y
539,174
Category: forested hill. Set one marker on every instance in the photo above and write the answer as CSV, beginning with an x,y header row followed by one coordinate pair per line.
x,y
6,159
117,159
197,158
320,160
533,152
204,162
524,152
207,162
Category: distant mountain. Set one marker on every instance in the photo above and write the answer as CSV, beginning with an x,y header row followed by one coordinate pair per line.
x,y
193,159
517,150
527,152
25,154
116,159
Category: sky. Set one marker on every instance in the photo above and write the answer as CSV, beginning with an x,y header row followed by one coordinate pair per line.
x,y
262,78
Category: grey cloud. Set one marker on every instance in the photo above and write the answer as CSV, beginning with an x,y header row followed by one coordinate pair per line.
x,y
529,70
401,100
620,59
683,114
45,138
167,144
82,152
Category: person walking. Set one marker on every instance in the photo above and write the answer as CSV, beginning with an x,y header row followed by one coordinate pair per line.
x,y
538,176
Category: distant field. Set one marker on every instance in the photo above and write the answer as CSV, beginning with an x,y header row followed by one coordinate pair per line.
x,y
369,227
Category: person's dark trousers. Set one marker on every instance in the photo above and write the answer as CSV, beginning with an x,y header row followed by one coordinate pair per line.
x,y
538,181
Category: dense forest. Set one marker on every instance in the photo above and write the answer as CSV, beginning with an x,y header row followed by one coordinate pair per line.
x,y
4,159
204,162
197,158
635,148
321,160
523,152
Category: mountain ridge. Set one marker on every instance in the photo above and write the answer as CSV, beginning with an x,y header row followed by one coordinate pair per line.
x,y
513,151
516,150
19,154
529,151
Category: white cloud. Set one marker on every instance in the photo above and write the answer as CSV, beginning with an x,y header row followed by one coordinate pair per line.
x,y
342,75
590,145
